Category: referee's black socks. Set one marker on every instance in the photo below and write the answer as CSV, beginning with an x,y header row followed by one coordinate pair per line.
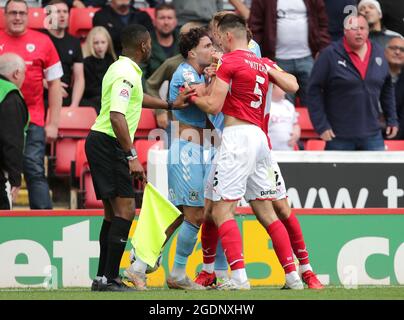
x,y
103,247
117,237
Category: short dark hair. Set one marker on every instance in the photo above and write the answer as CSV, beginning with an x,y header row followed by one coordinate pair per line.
x,y
53,2
133,35
191,39
163,6
232,21
20,1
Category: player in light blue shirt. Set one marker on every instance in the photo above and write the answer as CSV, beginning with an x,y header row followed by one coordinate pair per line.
x,y
186,164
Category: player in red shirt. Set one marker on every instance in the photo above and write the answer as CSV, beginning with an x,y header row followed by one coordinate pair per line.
x,y
243,161
42,62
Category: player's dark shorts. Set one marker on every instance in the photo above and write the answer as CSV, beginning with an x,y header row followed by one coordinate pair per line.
x,y
109,167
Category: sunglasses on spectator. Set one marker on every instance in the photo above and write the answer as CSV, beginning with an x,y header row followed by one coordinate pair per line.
x,y
15,13
395,48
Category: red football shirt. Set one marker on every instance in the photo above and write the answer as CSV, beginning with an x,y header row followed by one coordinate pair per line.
x,y
248,79
42,62
361,66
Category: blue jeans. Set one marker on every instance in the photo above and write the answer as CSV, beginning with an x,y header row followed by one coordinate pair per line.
x,y
372,143
301,69
34,171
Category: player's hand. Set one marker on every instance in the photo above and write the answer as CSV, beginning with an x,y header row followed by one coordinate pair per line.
x,y
391,132
136,169
162,120
14,193
200,90
182,98
51,132
327,135
210,71
216,56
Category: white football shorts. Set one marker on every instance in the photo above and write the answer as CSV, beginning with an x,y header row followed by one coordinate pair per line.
x,y
244,166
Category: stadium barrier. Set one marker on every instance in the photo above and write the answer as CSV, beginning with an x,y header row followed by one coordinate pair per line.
x,y
319,179
350,247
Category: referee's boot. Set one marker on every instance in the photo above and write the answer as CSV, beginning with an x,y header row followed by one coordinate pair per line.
x,y
97,285
116,285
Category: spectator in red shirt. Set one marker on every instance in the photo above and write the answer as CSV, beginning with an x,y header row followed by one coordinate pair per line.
x,y
42,61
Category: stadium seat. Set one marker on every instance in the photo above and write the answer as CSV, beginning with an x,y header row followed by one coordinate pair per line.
x,y
36,18
81,21
307,130
2,19
314,144
147,123
150,11
394,145
80,172
80,159
143,146
75,124
89,198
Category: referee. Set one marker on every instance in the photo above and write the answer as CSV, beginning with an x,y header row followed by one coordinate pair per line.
x,y
111,155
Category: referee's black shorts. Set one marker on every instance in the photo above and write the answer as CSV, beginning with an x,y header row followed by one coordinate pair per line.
x,y
109,167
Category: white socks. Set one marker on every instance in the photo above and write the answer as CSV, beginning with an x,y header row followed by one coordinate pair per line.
x,y
305,267
209,267
291,277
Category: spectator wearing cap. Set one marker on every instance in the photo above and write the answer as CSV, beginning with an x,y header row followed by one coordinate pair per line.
x,y
372,11
393,15
348,80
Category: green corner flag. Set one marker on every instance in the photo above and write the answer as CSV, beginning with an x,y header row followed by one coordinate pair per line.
x,y
156,215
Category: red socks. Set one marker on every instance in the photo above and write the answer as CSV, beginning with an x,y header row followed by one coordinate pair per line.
x,y
282,246
232,244
296,238
209,239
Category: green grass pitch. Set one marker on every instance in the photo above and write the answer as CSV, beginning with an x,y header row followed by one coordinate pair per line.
x,y
256,293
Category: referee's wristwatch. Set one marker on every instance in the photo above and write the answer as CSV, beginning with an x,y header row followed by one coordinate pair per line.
x,y
131,155
170,105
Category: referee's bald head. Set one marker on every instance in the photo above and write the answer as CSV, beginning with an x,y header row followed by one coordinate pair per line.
x,y
135,37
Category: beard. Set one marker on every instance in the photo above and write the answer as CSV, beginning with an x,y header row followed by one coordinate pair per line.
x,y
123,7
165,34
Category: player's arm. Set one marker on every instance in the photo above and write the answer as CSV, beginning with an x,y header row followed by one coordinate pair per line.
x,y
214,102
180,102
286,81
